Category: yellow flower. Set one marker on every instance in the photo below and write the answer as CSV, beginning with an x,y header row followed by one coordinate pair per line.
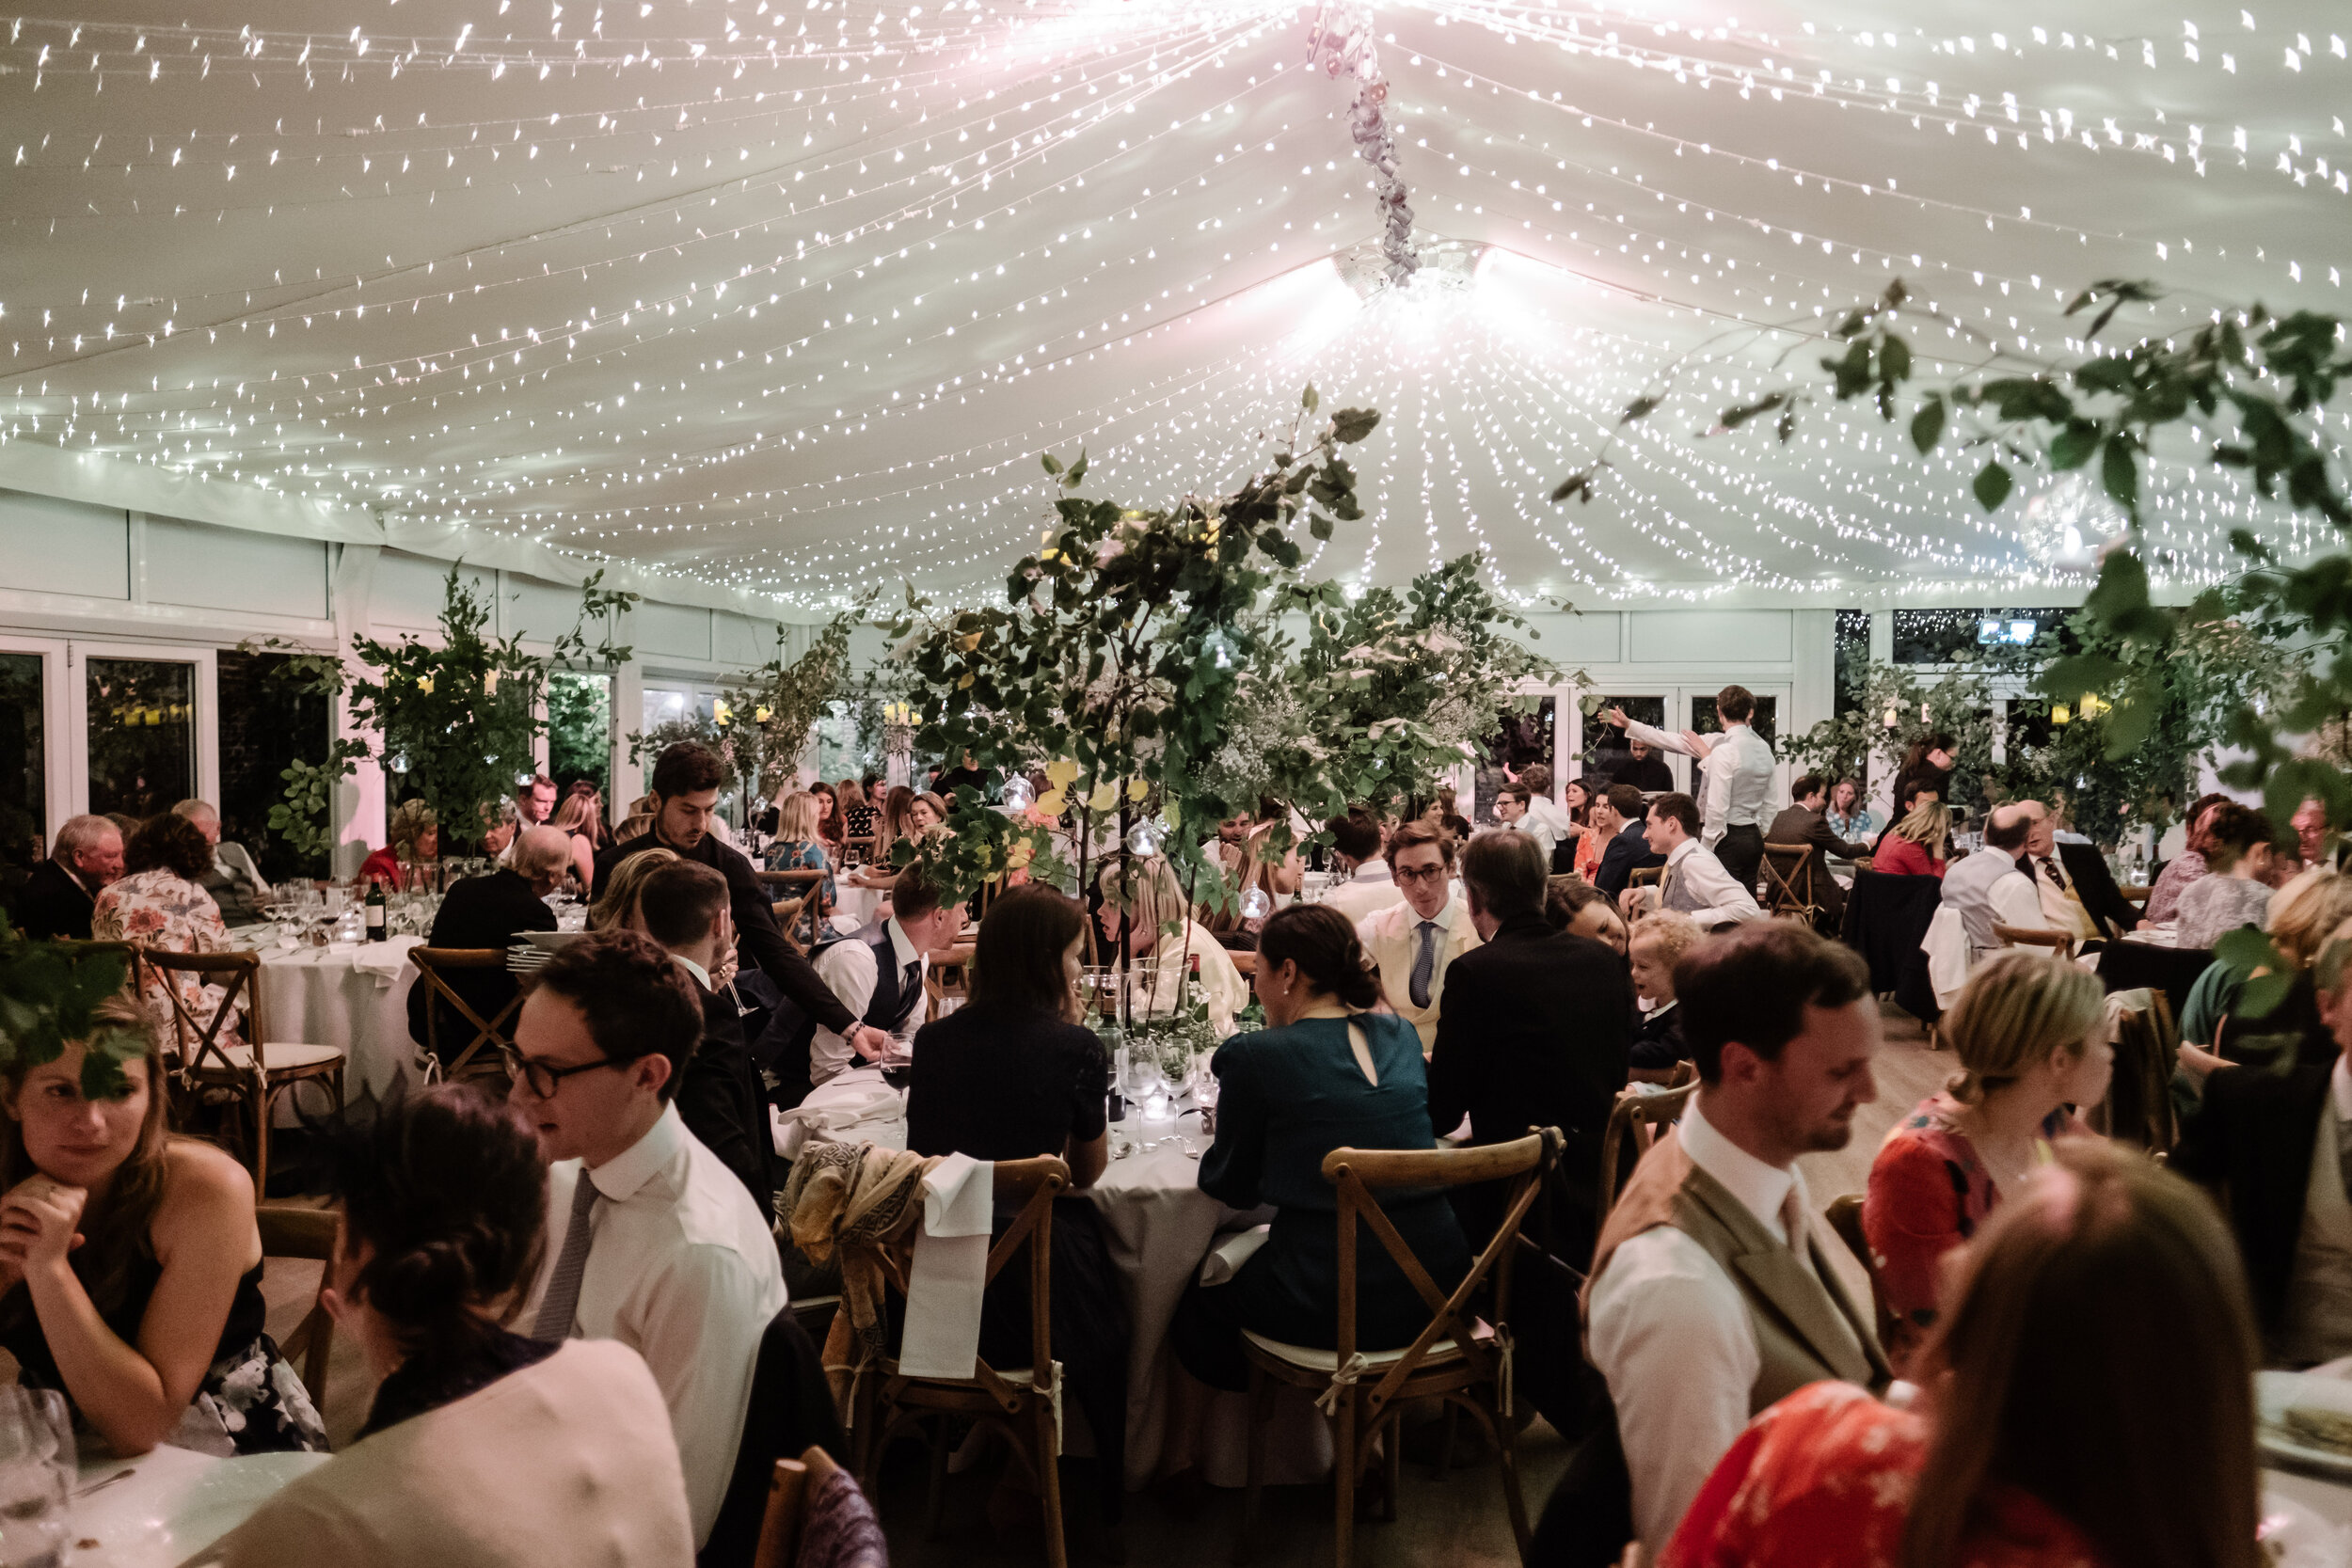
x,y
1061,773
965,682
1137,789
763,713
721,713
424,685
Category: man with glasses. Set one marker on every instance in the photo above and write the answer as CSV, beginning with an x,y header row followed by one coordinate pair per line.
x,y
1413,943
652,1240
685,797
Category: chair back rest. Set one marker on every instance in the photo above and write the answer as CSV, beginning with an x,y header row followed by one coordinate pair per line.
x,y
1788,877
1845,1217
1647,875
308,1234
199,1039
1033,1184
1361,1174
2138,1107
789,1421
792,1491
434,964
1636,1116
2032,936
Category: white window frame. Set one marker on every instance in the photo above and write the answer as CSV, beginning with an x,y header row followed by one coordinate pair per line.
x,y
56,720
207,722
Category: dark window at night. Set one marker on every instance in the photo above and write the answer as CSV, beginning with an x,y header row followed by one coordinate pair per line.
x,y
267,718
1852,647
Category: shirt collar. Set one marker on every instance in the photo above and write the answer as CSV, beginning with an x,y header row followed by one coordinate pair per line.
x,y
618,1179
2340,1087
1682,851
702,975
901,947
1373,871
1451,910
1760,1188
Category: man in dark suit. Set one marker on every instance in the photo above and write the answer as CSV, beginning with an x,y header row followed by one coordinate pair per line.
x,y
488,911
1534,1032
1803,822
1616,817
61,894
685,794
685,908
1645,770
2276,1149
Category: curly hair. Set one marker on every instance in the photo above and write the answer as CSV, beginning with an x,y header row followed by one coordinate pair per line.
x,y
171,843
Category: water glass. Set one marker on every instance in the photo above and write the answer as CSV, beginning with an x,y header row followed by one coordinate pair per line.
x,y
36,1477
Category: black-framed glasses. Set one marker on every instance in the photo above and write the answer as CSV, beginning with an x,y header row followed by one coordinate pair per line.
x,y
1421,874
542,1079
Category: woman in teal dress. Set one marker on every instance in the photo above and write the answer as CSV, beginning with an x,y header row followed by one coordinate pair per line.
x,y
1329,1075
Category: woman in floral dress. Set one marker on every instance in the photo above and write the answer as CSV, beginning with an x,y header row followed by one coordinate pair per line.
x,y
158,904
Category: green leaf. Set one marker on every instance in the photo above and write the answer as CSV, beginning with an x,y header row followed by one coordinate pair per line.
x,y
1053,464
1320,525
1992,485
1640,408
1927,426
2071,446
1309,398
1894,359
1351,425
2119,472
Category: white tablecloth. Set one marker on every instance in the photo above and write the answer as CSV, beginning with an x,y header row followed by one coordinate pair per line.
x,y
1157,1225
173,1504
861,904
318,996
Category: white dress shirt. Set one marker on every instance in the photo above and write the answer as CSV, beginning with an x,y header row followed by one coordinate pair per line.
x,y
682,1268
1988,890
1739,766
1372,888
1671,1333
1694,873
1540,831
2317,1322
2061,909
1546,810
847,968
1391,940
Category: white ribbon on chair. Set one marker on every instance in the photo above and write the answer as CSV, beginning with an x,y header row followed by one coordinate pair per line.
x,y
942,1337
1348,1374
1502,1372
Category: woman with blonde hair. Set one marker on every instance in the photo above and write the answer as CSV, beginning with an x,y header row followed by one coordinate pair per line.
x,y
799,846
130,1266
2042,1437
1164,943
577,816
615,907
1919,845
2035,1046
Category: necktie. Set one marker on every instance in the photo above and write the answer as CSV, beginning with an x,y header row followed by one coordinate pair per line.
x,y
562,1301
1666,886
2057,878
2343,1143
1424,964
1792,1219
912,984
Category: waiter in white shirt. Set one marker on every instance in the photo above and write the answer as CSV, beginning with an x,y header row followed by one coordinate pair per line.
x,y
1412,944
1739,765
1367,886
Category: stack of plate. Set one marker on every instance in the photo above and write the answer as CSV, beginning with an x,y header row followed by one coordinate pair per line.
x,y
523,957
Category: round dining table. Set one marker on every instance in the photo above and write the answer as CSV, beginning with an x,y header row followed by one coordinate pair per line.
x,y
350,995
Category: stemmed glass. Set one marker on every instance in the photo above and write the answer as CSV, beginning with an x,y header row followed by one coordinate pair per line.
x,y
36,1477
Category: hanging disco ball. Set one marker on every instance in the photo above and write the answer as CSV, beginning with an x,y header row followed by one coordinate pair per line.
x,y
2069,524
1255,905
1019,794
1144,839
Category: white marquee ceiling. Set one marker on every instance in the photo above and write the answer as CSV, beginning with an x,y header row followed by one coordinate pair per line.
x,y
787,295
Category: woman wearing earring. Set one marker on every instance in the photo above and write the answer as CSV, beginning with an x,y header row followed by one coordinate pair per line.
x,y
1328,1073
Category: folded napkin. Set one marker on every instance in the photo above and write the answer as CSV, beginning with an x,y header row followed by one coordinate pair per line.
x,y
1947,947
1231,1252
854,1098
384,960
942,1337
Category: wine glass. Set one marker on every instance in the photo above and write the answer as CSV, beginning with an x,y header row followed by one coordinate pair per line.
x,y
33,1485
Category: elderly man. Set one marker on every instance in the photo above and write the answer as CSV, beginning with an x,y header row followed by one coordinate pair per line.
x,y
1988,888
2062,905
1413,943
62,893
234,881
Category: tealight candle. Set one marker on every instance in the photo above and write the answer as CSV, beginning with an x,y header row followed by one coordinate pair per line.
x,y
1157,1106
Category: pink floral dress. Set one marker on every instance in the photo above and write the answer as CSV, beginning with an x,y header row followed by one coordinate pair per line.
x,y
158,908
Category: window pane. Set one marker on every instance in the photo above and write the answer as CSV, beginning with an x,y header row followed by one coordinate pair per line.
x,y
24,770
1705,720
267,720
142,735
1520,739
1605,747
580,731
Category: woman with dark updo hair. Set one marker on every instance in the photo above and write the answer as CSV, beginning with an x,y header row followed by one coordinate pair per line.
x,y
483,1449
1329,1074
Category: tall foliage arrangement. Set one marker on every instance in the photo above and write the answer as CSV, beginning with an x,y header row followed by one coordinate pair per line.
x,y
759,725
457,720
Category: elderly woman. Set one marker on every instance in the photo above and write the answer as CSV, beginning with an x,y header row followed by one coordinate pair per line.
x,y
412,838
158,902
2031,1033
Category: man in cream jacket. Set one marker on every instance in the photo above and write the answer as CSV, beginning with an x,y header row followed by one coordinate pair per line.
x,y
1412,944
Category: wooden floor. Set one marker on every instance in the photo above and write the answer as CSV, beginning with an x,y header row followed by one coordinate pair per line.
x,y
1457,1522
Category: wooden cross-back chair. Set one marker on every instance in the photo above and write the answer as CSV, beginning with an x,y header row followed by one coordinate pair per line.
x,y
1845,1217
1789,882
790,1494
306,1233
1458,1357
1637,1116
2034,936
255,1070
2138,1105
483,1055
1019,1402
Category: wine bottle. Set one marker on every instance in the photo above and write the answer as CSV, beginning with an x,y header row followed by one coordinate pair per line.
x,y
376,909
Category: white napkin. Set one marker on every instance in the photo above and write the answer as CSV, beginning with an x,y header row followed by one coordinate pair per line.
x,y
832,1107
384,959
1947,947
1231,1252
942,1323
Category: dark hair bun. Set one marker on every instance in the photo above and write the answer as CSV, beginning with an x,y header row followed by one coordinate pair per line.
x,y
1322,943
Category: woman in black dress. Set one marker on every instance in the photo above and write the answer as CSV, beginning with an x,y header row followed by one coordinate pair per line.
x,y
1010,1075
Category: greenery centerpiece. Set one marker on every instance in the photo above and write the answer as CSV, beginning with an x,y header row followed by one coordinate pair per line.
x,y
48,991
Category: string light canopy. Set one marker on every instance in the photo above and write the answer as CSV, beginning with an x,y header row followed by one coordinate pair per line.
x,y
787,296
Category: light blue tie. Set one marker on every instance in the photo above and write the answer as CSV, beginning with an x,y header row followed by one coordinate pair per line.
x,y
1424,964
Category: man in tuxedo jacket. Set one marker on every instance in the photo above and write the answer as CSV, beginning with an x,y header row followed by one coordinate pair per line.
x,y
1617,814
1803,822
686,908
1413,944
488,911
